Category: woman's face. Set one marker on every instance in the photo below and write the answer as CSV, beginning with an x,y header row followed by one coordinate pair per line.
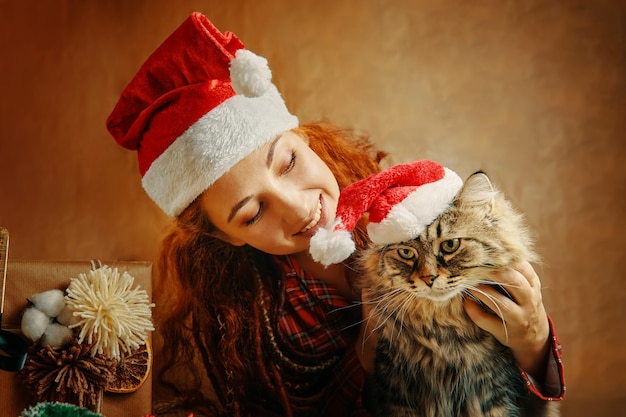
x,y
275,199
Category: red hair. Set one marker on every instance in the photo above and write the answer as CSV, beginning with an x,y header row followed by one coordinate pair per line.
x,y
206,290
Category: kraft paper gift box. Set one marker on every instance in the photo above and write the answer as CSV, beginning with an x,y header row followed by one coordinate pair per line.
x,y
25,278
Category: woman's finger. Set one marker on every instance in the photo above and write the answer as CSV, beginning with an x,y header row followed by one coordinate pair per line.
x,y
520,282
494,299
528,272
486,321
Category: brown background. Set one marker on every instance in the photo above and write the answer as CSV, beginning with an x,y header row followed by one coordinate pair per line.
x,y
532,91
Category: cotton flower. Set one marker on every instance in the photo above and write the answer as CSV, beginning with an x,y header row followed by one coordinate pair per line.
x,y
42,321
67,317
50,302
34,323
112,316
56,335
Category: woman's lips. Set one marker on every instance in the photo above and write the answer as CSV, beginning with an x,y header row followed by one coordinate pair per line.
x,y
316,218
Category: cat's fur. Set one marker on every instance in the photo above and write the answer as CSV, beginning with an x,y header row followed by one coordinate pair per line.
x,y
431,359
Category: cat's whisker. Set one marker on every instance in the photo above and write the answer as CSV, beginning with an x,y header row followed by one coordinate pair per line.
x,y
356,323
400,313
468,288
367,336
491,298
502,284
499,312
506,284
350,266
349,306
384,308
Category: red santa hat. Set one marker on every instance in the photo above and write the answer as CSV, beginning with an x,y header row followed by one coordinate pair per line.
x,y
402,201
197,106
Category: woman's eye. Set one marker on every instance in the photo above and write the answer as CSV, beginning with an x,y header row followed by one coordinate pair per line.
x,y
450,245
406,253
290,165
256,217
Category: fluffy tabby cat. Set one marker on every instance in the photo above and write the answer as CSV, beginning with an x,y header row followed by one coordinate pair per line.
x,y
431,359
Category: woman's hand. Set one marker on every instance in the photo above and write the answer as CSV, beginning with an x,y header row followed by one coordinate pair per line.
x,y
527,328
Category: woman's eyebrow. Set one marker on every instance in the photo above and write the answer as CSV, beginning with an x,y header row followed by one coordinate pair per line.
x,y
270,152
268,163
238,207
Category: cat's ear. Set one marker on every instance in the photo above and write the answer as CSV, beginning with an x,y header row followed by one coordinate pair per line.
x,y
477,191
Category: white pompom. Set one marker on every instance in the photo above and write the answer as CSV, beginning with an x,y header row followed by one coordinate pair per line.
x,y
249,73
56,335
329,246
67,317
34,323
51,302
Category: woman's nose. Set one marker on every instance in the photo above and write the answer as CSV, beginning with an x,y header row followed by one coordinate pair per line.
x,y
292,205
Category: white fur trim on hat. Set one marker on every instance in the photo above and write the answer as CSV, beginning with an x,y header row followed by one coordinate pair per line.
x,y
410,217
213,145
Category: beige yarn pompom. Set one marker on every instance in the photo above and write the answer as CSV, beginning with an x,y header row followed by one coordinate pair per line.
x,y
111,315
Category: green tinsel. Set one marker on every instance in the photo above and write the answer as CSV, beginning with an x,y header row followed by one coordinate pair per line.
x,y
57,410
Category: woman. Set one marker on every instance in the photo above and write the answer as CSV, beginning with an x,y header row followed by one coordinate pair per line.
x,y
242,301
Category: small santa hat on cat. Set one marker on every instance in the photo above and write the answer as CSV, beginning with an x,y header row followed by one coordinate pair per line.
x,y
402,201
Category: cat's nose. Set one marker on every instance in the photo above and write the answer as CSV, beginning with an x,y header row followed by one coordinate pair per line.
x,y
429,279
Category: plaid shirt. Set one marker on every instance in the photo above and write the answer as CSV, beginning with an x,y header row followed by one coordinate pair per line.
x,y
315,332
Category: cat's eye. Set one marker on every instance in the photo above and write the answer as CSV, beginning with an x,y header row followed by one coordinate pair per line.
x,y
450,245
406,253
